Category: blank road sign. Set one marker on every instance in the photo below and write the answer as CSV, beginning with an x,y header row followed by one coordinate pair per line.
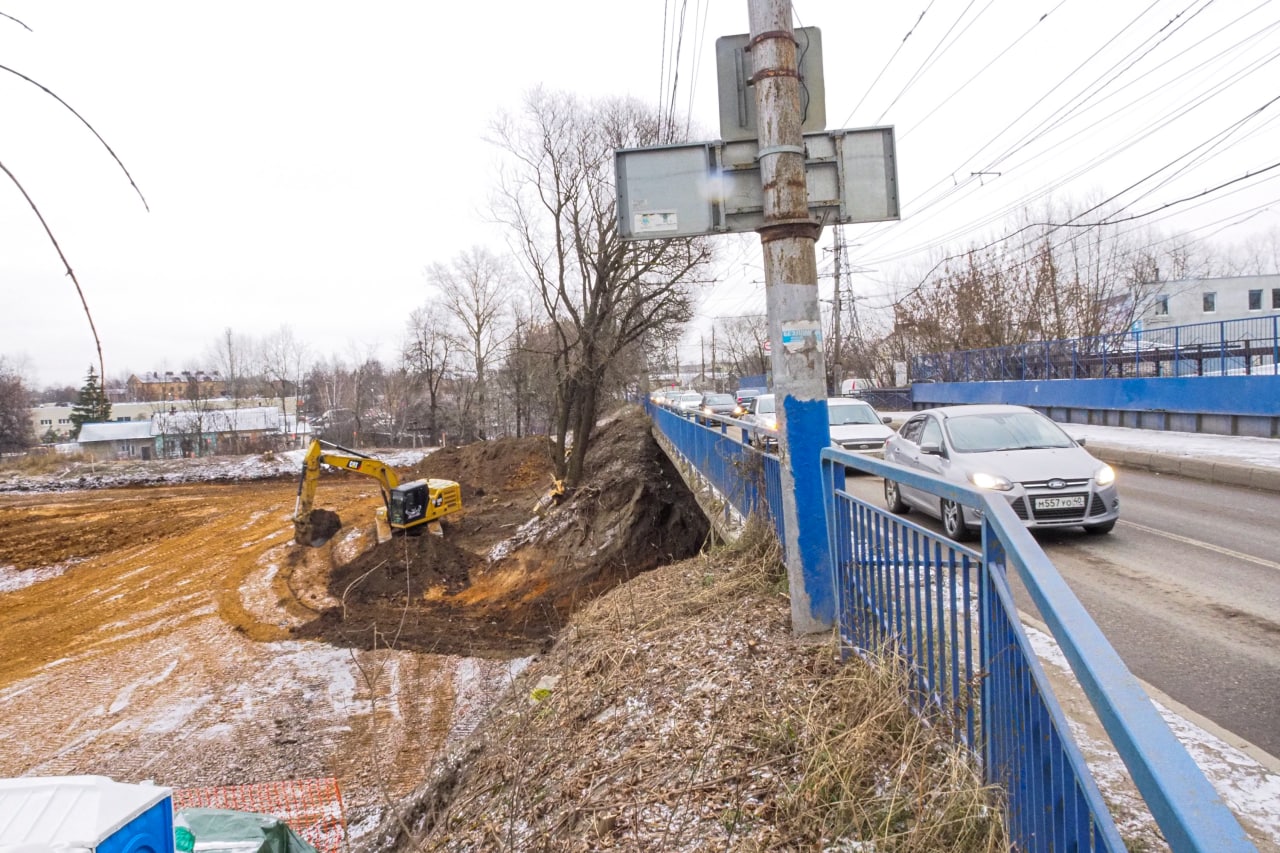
x,y
714,187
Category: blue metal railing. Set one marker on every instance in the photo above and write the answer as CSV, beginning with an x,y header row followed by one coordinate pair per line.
x,y
948,612
747,479
1226,347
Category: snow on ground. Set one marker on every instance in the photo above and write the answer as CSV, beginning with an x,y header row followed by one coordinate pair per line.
x,y
1261,452
76,475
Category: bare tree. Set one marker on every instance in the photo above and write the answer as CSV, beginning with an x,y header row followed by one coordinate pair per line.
x,y
429,352
1042,281
742,341
600,294
476,288
282,357
16,433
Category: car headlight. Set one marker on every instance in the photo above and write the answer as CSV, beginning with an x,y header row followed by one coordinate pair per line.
x,y
983,480
1105,476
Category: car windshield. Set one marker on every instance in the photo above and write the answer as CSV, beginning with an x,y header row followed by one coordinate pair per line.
x,y
1005,431
764,405
839,414
691,398
719,400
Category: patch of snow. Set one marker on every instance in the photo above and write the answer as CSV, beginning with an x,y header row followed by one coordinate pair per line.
x,y
122,698
12,579
175,715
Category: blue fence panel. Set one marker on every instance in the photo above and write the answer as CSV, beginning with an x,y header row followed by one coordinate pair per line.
x,y
1243,347
890,576
746,478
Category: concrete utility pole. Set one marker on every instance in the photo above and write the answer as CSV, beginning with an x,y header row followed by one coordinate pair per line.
x,y
788,237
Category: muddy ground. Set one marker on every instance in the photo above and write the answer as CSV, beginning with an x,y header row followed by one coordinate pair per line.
x,y
176,633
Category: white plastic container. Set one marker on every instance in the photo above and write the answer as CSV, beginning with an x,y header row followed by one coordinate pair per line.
x,y
67,814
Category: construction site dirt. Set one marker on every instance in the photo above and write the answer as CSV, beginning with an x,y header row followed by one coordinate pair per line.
x,y
176,633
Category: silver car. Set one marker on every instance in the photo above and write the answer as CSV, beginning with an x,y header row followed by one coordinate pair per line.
x,y
1048,478
856,426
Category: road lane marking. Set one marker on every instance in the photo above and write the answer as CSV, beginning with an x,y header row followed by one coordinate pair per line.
x,y
1227,552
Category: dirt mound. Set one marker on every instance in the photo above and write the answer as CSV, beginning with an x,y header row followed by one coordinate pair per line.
x,y
502,581
324,523
505,465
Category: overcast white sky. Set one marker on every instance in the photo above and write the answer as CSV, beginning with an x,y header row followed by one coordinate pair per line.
x,y
304,162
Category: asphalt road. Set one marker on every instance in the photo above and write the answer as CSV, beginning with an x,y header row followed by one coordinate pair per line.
x,y
1187,590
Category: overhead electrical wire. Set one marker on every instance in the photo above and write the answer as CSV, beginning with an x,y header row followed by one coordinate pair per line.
x,y
956,185
871,238
936,53
943,101
888,63
699,38
1084,168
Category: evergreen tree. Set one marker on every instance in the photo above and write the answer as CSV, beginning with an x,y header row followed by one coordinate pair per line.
x,y
92,406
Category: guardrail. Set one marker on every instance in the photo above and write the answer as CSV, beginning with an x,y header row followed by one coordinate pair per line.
x,y
1224,348
747,479
948,611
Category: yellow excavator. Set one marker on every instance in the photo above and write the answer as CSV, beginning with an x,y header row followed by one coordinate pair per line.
x,y
406,507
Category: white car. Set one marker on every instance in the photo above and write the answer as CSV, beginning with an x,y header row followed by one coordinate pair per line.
x,y
1048,477
762,414
856,426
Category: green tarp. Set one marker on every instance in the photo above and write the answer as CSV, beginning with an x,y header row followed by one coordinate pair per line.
x,y
242,832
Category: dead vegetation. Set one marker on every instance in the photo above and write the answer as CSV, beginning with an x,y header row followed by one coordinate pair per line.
x,y
670,707
677,712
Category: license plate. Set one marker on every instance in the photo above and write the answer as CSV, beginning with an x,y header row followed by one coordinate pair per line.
x,y
1070,502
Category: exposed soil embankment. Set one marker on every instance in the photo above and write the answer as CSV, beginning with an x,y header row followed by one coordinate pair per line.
x,y
501,580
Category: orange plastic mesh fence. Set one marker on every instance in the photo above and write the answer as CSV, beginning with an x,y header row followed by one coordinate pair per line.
x,y
311,807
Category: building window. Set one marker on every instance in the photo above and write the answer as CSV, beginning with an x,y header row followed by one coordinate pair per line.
x,y
1162,306
64,420
46,422
1275,298
1255,300
1210,303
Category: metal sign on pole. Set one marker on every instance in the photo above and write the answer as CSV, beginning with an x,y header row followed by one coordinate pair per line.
x,y
737,91
785,185
705,188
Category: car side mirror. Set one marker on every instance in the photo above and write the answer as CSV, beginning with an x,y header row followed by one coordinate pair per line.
x,y
931,449
1080,441
885,419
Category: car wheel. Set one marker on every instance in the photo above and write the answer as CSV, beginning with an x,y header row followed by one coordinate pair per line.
x,y
953,522
893,498
1099,529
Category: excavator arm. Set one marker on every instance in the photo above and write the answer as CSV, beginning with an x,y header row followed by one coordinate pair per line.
x,y
407,506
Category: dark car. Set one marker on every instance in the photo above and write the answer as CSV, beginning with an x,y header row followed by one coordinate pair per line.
x,y
719,404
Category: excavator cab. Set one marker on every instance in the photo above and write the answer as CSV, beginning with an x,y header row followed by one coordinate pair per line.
x,y
422,501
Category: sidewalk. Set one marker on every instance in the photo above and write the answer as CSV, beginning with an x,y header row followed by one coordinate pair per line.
x,y
1235,460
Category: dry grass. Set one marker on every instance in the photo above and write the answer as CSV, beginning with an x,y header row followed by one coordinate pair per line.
x,y
679,713
42,463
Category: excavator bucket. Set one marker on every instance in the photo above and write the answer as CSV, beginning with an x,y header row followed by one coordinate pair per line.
x,y
383,526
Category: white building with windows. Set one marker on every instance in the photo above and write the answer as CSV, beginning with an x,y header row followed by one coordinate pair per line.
x,y
1204,300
